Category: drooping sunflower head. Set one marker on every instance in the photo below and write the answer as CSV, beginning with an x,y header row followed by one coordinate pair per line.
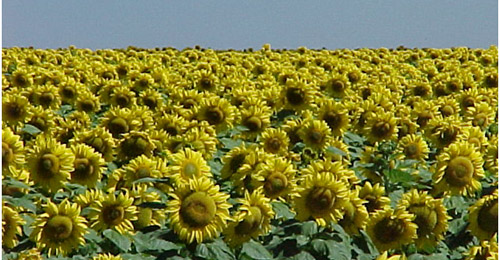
x,y
12,151
115,212
60,229
198,210
50,163
11,225
277,176
186,165
391,229
88,165
483,217
458,169
431,216
322,196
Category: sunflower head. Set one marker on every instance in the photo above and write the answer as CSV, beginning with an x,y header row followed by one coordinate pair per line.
x,y
277,177
391,230
11,225
88,165
315,134
188,164
483,217
116,212
15,108
12,151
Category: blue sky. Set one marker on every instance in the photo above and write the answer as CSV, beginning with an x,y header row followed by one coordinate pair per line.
x,y
241,24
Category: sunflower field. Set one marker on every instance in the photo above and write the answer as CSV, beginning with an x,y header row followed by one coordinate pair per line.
x,y
254,154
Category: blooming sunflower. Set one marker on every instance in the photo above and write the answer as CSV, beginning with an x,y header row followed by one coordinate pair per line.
x,y
381,126
298,95
335,115
89,197
483,217
430,216
277,176
234,159
315,134
12,151
141,167
335,168
458,169
256,119
60,229
11,225
186,165
115,212
252,220
173,124
217,112
412,147
482,115
46,96
147,216
448,106
355,215
122,97
15,109
275,141
491,155
375,197
488,250
98,138
391,230
444,131
198,210
119,121
50,163
475,136
321,196
203,139
42,119
133,144
88,165
152,99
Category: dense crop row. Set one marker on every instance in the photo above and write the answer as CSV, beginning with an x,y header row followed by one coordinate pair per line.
x,y
345,154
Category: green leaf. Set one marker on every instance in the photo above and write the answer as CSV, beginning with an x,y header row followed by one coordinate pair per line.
x,y
309,228
137,257
255,250
11,182
31,129
304,255
320,246
282,210
93,236
230,143
150,180
220,251
24,203
145,242
121,241
335,150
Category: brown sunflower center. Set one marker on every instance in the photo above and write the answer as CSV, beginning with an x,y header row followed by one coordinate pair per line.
x,y
83,168
46,99
480,120
468,102
236,162
198,209
189,103
68,92
143,172
382,129
316,136
275,184
373,203
48,165
59,227
13,110
171,129
251,222
39,123
295,96
20,80
7,154
447,136
273,145
389,230
412,151
122,100
421,91
113,215
459,171
337,86
215,115
87,105
426,220
334,120
118,126
253,123
191,169
150,102
423,118
320,199
134,146
447,110
488,216
206,83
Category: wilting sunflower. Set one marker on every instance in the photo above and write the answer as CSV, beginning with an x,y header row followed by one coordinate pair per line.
x,y
277,176
60,229
381,126
252,220
198,210
488,250
12,151
355,215
186,165
107,256
315,134
483,217
11,225
458,169
49,163
375,197
321,196
275,141
88,165
15,108
412,147
98,138
391,229
430,216
114,212
217,112
335,115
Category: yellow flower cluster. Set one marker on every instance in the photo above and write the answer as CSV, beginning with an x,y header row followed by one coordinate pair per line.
x,y
218,136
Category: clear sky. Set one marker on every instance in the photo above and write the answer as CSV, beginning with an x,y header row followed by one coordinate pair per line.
x,y
224,24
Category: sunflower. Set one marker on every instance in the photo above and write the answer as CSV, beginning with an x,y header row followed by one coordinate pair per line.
x,y
298,95
11,225
88,198
21,78
234,159
50,163
247,177
114,212
203,139
98,138
88,165
31,254
355,215
335,168
60,229
491,155
42,119
321,196
119,121
475,136
375,197
338,85
444,131
448,106
468,98
338,143
198,210
275,141
186,165
458,169
46,96
423,111
147,216
141,167
15,109
173,124
277,176
70,91
381,126
142,118
412,147
256,119
335,115
122,97
107,256
12,151
133,144
315,134
392,257
482,115
252,220
152,99
483,217
186,102
391,230
217,112
488,250
431,216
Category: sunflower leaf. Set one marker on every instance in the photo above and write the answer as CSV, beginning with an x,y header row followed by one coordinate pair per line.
x,y
31,129
219,250
145,243
255,250
335,150
282,210
309,228
304,255
137,257
121,241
